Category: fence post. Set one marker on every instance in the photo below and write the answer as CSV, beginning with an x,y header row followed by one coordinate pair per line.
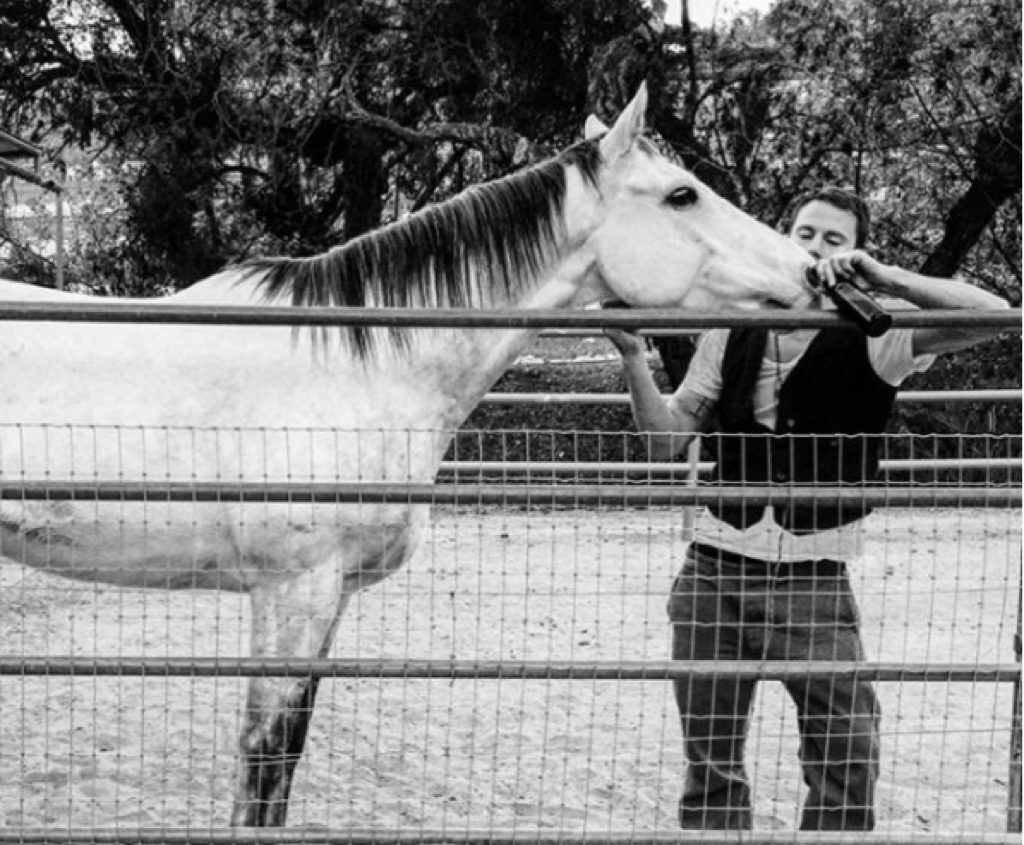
x,y
690,513
1013,813
59,237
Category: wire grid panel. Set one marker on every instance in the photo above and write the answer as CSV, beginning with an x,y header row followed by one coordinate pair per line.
x,y
935,586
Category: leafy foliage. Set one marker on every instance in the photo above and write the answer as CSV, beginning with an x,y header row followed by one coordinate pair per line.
x,y
916,105
288,126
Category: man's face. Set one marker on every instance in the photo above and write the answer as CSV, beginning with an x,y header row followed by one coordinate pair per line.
x,y
824,230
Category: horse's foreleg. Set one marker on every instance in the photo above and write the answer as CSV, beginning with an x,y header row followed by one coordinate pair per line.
x,y
297,617
289,620
270,747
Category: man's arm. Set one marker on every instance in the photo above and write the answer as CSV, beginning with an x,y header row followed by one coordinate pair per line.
x,y
670,424
925,292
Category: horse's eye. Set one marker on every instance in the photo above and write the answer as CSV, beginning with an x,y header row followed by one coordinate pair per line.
x,y
682,197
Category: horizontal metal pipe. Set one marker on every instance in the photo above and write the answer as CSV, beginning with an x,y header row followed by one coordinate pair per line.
x,y
31,176
500,318
126,834
592,670
642,468
568,495
908,397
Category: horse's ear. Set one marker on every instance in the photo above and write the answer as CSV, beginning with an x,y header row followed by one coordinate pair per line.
x,y
628,127
593,127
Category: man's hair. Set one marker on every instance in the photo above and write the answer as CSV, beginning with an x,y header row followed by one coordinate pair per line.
x,y
840,198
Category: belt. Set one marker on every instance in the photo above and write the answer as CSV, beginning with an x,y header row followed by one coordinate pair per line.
x,y
822,568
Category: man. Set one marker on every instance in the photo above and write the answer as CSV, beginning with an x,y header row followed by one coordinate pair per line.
x,y
771,583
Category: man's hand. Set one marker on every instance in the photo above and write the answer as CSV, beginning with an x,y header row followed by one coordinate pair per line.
x,y
629,344
856,267
925,292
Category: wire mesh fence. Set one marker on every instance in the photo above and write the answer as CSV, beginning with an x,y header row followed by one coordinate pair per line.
x,y
512,680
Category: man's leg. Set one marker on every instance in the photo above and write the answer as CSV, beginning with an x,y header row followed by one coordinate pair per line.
x,y
838,717
713,713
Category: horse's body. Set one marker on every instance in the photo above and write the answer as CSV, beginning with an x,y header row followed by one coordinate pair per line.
x,y
170,402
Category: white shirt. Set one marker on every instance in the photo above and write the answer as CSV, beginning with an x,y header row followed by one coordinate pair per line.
x,y
891,357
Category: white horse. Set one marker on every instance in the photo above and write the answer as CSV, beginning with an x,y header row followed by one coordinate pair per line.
x,y
609,217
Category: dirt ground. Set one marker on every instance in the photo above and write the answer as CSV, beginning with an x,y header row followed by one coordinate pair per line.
x,y
934,586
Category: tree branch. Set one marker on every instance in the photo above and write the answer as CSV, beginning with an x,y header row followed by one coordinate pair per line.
x,y
997,178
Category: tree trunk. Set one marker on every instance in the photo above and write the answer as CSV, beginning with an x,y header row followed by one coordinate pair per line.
x,y
997,178
366,182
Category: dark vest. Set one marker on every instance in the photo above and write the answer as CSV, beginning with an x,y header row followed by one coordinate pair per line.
x,y
830,405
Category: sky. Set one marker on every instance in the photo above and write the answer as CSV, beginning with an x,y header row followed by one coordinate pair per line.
x,y
705,13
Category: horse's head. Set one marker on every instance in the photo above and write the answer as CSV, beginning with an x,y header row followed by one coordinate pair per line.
x,y
662,238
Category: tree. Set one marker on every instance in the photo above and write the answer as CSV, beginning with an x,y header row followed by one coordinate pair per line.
x,y
291,125
916,105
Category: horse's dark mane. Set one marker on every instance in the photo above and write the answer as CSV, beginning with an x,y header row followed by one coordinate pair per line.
x,y
491,237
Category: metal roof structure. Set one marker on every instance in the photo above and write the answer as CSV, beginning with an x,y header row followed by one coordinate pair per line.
x,y
14,151
12,147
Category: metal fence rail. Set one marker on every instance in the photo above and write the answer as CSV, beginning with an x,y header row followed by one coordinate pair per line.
x,y
456,836
579,670
497,318
906,396
910,496
462,836
654,470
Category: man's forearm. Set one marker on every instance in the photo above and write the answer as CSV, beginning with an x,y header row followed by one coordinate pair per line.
x,y
669,433
930,293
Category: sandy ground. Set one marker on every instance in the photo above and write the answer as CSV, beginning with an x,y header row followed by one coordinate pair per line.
x,y
935,586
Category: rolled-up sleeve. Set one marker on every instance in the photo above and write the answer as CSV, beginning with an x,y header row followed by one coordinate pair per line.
x,y
892,356
704,375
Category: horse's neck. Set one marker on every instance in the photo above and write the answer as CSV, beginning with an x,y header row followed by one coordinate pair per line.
x,y
464,364
470,362
446,373
461,365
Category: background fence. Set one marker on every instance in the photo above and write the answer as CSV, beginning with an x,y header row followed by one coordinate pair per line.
x,y
509,685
